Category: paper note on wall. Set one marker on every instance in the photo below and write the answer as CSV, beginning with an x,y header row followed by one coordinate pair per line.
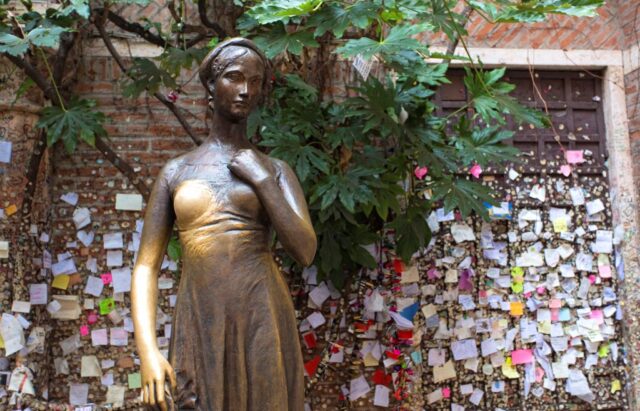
x,y
128,202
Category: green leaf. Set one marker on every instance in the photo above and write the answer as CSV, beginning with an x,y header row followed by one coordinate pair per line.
x,y
306,90
362,257
338,18
505,11
80,7
25,86
277,40
411,230
138,2
78,121
144,74
46,36
399,38
13,45
173,59
271,11
174,250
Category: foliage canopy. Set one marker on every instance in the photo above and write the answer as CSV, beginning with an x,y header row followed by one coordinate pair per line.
x,y
375,160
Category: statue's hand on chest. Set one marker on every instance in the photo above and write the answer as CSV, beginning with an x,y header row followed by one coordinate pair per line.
x,y
252,167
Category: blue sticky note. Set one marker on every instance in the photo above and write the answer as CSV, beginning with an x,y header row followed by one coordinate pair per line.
x,y
565,314
410,311
416,357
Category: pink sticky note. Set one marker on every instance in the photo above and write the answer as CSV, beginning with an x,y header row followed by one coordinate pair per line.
x,y
604,271
592,279
92,318
539,374
575,156
84,330
106,278
555,314
598,316
521,357
565,170
555,303
433,274
446,392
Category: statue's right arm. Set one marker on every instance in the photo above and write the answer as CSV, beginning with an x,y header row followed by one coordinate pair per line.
x,y
158,224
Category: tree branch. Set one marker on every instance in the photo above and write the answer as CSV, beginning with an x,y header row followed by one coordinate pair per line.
x,y
67,41
171,106
33,168
37,77
135,28
202,11
466,15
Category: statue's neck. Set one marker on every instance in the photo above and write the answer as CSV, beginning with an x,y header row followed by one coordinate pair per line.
x,y
227,132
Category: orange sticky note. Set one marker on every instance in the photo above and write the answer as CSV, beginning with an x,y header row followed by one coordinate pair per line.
x,y
61,282
517,309
12,209
521,357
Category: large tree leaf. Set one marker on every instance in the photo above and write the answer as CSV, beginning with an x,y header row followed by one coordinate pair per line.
x,y
46,36
529,11
78,121
277,40
144,74
399,38
338,18
271,11
13,45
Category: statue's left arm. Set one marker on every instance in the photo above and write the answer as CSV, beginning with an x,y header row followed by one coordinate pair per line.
x,y
281,195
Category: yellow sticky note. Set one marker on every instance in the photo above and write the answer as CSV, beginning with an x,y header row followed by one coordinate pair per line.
x,y
370,361
615,386
544,327
1,342
12,209
444,372
517,309
509,370
61,282
560,225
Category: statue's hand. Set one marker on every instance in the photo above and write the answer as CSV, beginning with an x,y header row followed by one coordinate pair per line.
x,y
155,372
251,167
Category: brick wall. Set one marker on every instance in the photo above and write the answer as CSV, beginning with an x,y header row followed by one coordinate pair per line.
x,y
146,135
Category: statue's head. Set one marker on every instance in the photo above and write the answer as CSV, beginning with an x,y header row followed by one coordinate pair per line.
x,y
237,76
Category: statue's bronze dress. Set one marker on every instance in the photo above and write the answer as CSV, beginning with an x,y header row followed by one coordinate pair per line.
x,y
234,343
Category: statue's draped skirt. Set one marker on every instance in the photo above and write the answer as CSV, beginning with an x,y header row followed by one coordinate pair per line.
x,y
234,343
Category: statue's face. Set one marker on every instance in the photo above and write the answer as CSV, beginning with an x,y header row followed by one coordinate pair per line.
x,y
238,89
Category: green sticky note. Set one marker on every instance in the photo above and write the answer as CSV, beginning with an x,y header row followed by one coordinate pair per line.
x,y
135,381
107,305
517,287
603,351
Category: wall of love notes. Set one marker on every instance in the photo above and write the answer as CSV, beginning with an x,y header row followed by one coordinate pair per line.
x,y
520,312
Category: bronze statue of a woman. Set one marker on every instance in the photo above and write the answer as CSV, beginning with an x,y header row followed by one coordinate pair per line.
x,y
234,343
